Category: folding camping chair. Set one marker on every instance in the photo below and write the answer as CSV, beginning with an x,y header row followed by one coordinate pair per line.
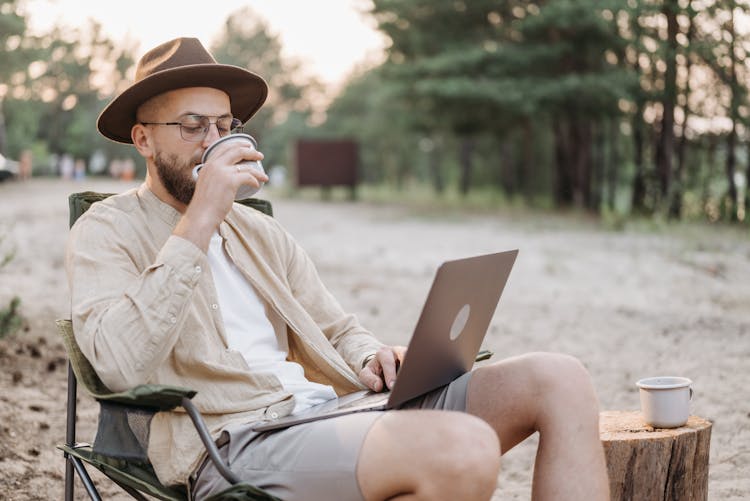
x,y
119,449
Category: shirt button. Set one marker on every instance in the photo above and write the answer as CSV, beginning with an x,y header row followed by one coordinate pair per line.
x,y
274,415
214,306
198,269
173,320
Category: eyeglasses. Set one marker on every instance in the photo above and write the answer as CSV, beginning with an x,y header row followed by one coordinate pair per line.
x,y
194,128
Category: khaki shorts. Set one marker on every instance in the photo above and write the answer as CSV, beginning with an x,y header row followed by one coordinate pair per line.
x,y
311,461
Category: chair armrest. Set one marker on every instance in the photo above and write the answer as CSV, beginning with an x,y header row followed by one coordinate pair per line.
x,y
483,355
208,442
238,489
158,397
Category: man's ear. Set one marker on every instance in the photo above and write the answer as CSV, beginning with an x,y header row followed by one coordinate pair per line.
x,y
141,140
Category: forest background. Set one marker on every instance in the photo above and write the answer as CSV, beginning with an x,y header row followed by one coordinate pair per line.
x,y
618,108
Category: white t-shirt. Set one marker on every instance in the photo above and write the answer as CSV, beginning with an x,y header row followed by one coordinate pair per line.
x,y
250,332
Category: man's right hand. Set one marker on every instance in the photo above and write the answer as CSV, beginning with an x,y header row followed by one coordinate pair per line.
x,y
215,190
379,373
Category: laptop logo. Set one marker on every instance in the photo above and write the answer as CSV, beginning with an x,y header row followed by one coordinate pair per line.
x,y
460,322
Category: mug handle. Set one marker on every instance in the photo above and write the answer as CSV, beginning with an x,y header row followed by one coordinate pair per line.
x,y
691,394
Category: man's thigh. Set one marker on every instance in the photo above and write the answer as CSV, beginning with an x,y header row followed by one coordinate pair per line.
x,y
316,460
311,461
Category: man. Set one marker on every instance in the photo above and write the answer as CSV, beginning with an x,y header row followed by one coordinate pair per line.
x,y
173,283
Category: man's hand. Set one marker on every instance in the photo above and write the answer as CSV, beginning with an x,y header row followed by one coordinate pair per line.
x,y
220,178
215,190
382,368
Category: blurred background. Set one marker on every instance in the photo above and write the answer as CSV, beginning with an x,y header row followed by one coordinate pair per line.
x,y
607,139
616,108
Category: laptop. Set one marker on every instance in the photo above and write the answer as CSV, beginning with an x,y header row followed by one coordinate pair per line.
x,y
445,342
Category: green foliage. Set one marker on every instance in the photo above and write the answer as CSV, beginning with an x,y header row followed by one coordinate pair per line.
x,y
11,320
12,48
52,97
6,256
560,97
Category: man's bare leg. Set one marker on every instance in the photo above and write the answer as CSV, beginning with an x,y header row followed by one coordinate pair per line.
x,y
429,455
551,394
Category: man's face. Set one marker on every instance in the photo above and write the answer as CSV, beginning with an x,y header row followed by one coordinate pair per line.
x,y
172,156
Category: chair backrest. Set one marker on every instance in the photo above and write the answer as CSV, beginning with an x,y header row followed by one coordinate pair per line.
x,y
85,373
80,203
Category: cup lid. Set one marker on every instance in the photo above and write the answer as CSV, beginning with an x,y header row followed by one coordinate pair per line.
x,y
663,382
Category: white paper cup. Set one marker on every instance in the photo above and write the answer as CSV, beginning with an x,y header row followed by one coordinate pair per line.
x,y
244,191
665,400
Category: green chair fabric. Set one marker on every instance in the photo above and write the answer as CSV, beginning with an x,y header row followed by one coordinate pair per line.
x,y
152,396
135,477
141,478
78,203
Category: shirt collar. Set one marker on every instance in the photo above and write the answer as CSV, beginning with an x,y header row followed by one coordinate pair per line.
x,y
166,212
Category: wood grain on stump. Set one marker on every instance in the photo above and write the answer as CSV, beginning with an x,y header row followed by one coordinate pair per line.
x,y
648,464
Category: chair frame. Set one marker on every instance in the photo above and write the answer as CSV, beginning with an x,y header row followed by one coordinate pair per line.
x,y
75,464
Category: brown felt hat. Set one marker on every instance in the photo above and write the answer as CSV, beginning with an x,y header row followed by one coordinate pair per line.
x,y
179,63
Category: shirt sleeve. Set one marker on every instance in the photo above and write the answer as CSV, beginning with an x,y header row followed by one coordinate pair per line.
x,y
352,341
127,314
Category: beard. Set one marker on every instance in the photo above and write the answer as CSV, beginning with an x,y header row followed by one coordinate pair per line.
x,y
176,175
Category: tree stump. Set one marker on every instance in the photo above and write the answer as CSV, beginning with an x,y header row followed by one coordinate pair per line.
x,y
648,464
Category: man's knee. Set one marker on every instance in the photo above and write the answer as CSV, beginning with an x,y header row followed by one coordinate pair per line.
x,y
554,367
469,458
563,378
442,454
473,444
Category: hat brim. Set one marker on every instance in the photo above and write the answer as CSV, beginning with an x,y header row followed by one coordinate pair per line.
x,y
247,93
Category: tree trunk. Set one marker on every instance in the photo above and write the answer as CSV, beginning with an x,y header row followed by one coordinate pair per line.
x,y
598,165
563,181
678,187
638,193
709,174
3,138
466,161
573,161
526,167
731,200
647,464
614,164
507,167
665,146
581,138
638,197
436,173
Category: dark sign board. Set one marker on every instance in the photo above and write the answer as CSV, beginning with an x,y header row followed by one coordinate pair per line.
x,y
327,162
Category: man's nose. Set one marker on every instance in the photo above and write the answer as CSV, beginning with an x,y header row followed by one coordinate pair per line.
x,y
212,134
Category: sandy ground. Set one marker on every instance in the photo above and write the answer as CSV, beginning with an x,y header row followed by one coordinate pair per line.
x,y
629,304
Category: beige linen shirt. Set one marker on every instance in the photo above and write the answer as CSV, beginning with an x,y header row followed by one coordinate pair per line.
x,y
145,311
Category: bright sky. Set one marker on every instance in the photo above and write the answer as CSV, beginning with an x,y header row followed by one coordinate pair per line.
x,y
329,36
